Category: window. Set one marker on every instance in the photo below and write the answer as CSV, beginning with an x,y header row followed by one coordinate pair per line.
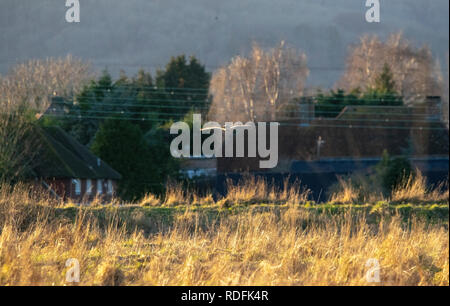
x,y
110,187
88,186
77,184
99,186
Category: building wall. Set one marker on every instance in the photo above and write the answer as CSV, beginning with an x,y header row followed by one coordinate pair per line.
x,y
296,142
199,167
66,189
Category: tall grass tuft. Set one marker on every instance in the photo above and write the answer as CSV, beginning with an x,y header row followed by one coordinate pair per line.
x,y
252,189
414,189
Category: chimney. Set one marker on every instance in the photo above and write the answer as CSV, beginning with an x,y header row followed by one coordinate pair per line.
x,y
433,107
306,111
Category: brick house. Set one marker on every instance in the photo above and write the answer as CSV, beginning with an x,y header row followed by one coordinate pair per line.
x,y
68,170
359,133
317,150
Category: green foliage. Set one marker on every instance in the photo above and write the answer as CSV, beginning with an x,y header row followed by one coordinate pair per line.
x,y
112,118
385,83
383,93
103,99
330,105
144,166
181,87
165,166
185,82
181,74
393,171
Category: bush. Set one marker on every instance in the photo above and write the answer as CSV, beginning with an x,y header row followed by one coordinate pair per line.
x,y
389,175
393,171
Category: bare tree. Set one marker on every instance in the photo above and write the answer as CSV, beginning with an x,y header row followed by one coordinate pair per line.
x,y
23,91
19,146
32,82
415,73
256,87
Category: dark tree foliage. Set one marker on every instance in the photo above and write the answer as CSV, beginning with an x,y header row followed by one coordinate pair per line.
x,y
393,171
181,87
112,118
382,94
331,104
103,98
144,165
185,85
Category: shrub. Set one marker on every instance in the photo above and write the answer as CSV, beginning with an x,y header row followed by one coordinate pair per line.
x,y
393,171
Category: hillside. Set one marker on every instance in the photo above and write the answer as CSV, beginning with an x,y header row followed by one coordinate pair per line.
x,y
130,34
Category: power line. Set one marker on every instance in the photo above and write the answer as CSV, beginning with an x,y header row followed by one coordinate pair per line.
x,y
365,126
140,87
192,107
282,123
366,120
130,113
106,118
88,112
131,99
118,90
189,91
286,104
350,112
188,107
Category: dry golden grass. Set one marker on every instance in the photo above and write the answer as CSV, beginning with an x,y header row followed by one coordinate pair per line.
x,y
249,190
254,247
414,189
253,189
150,200
346,194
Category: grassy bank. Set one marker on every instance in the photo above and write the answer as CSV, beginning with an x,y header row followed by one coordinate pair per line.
x,y
190,240
155,219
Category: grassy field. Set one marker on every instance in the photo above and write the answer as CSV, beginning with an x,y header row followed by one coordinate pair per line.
x,y
254,236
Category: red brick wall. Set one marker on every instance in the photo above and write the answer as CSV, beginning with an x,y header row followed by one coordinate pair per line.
x,y
300,143
65,189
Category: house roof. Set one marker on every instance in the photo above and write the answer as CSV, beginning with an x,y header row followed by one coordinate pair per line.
x,y
61,156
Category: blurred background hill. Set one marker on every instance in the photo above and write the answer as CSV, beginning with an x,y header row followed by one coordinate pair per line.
x,y
132,34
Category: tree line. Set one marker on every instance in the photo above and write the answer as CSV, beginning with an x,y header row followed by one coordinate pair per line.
x,y
125,120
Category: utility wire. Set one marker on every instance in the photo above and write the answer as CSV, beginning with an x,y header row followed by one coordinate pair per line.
x,y
159,106
287,104
282,123
88,112
124,106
